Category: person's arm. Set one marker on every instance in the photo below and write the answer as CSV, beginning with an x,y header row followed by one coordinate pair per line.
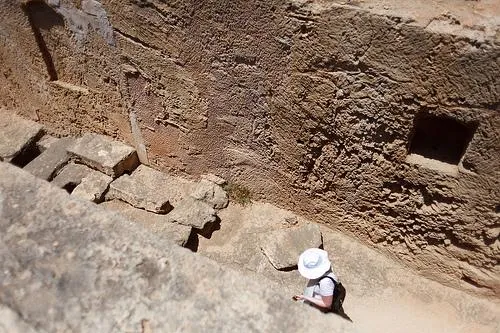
x,y
324,302
326,288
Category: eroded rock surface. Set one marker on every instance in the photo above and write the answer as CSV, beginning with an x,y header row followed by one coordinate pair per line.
x,y
104,154
93,187
68,265
51,161
16,134
317,106
45,142
136,193
284,246
71,174
158,224
211,193
192,212
173,188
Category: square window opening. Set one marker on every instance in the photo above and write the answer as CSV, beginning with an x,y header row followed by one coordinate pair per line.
x,y
440,138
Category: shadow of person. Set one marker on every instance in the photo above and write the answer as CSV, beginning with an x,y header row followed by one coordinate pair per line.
x,y
342,314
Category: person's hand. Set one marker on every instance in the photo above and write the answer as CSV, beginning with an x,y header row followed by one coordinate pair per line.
x,y
298,297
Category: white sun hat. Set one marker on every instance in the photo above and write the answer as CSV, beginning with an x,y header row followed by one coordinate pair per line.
x,y
313,263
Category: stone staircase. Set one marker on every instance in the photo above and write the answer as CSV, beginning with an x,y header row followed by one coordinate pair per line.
x,y
71,263
103,258
107,172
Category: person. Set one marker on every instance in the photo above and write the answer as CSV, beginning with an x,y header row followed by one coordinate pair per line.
x,y
323,286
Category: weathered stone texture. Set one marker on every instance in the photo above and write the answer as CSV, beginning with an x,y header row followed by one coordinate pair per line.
x,y
127,189
214,179
48,163
173,188
68,265
16,134
93,187
71,174
310,104
85,183
45,142
104,154
192,212
210,193
157,223
10,322
282,247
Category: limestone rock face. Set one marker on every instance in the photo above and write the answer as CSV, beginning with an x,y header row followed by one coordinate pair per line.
x,y
210,193
69,266
71,174
16,134
127,189
192,212
284,246
93,187
48,163
157,223
104,154
173,188
317,106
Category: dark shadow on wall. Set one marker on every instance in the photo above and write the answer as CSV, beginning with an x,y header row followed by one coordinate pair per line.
x,y
42,17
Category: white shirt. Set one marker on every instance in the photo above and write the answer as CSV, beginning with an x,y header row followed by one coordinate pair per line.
x,y
321,286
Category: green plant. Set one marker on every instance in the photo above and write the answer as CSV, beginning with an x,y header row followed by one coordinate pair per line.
x,y
238,193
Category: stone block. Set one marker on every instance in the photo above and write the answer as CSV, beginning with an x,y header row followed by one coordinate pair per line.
x,y
210,193
45,142
71,174
158,224
16,134
93,187
11,322
84,182
193,212
139,195
67,265
283,247
48,163
105,154
174,188
214,179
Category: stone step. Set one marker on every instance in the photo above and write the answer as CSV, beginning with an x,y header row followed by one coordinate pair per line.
x,y
16,135
45,142
158,224
194,204
48,163
193,212
68,265
93,187
172,188
71,174
211,193
83,182
102,153
127,189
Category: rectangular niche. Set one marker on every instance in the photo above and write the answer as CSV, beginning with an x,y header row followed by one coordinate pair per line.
x,y
439,142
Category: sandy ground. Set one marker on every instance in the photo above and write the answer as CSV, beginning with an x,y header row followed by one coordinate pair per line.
x,y
382,295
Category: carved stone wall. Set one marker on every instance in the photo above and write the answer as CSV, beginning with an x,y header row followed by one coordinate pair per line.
x,y
327,108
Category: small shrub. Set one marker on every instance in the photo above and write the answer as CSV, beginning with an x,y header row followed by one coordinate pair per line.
x,y
238,193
